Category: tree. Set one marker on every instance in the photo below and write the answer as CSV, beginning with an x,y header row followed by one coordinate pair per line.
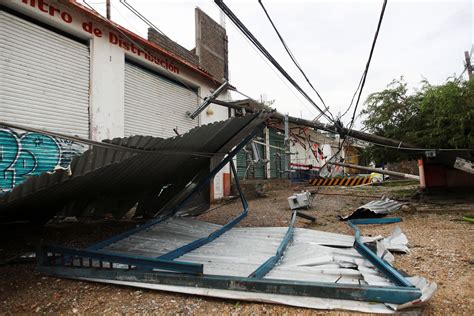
x,y
432,117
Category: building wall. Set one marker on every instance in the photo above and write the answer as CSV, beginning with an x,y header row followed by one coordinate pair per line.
x,y
211,45
109,47
170,45
312,150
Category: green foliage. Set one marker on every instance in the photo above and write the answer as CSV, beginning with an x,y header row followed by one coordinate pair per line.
x,y
432,117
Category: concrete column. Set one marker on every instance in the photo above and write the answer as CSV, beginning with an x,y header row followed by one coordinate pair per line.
x,y
107,84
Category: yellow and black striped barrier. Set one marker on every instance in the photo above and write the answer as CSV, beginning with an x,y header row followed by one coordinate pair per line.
x,y
340,181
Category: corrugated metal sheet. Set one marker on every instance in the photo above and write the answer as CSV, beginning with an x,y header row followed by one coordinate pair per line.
x,y
383,206
112,181
312,256
44,81
155,105
377,208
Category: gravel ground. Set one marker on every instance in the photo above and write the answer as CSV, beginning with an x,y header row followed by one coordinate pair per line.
x,y
441,250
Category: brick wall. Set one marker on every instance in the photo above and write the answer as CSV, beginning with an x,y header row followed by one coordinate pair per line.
x,y
211,46
173,47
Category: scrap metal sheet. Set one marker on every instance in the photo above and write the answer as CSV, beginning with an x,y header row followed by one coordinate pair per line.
x,y
377,208
311,256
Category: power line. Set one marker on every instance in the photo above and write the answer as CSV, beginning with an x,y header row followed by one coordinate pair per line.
x,y
419,149
353,97
265,52
141,16
366,71
277,75
293,58
360,87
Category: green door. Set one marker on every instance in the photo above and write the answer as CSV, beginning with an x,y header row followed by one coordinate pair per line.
x,y
277,156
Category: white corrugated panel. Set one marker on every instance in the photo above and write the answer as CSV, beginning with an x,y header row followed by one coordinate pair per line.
x,y
155,105
44,78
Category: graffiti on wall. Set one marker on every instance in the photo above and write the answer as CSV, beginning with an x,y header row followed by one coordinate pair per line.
x,y
29,154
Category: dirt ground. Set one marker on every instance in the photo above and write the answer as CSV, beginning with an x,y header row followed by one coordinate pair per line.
x,y
441,244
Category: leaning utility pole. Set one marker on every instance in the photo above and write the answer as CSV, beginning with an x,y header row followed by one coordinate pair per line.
x,y
468,64
328,128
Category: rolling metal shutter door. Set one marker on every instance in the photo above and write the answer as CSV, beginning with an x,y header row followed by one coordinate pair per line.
x,y
155,105
44,78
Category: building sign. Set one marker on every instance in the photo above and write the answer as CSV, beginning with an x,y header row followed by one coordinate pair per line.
x,y
113,37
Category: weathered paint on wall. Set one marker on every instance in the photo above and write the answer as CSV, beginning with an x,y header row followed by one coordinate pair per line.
x,y
29,154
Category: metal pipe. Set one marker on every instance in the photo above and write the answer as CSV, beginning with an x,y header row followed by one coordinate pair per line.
x,y
391,173
209,99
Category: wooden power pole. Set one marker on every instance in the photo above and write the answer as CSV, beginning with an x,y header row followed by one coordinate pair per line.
x,y
468,64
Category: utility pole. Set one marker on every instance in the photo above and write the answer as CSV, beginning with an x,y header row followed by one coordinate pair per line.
x,y
317,125
287,145
107,9
468,64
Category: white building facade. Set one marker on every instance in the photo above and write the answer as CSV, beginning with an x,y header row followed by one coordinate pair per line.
x,y
65,69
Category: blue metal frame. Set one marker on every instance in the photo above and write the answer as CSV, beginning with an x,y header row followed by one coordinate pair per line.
x,y
369,221
380,263
261,271
165,261
202,241
68,255
367,293
199,187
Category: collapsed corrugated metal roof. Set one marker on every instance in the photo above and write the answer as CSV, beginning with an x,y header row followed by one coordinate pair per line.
x,y
150,171
317,269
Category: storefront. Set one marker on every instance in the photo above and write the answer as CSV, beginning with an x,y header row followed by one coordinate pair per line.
x,y
66,69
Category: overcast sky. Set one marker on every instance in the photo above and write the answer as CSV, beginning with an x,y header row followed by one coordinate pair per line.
x,y
330,39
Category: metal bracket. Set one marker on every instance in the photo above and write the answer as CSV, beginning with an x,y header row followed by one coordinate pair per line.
x,y
207,100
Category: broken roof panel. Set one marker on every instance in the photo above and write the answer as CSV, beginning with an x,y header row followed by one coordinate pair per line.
x,y
111,180
376,208
333,276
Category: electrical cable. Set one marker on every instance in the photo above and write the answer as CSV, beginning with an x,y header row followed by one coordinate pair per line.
x,y
265,52
293,58
353,97
125,18
366,71
361,85
141,16
276,74
420,149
